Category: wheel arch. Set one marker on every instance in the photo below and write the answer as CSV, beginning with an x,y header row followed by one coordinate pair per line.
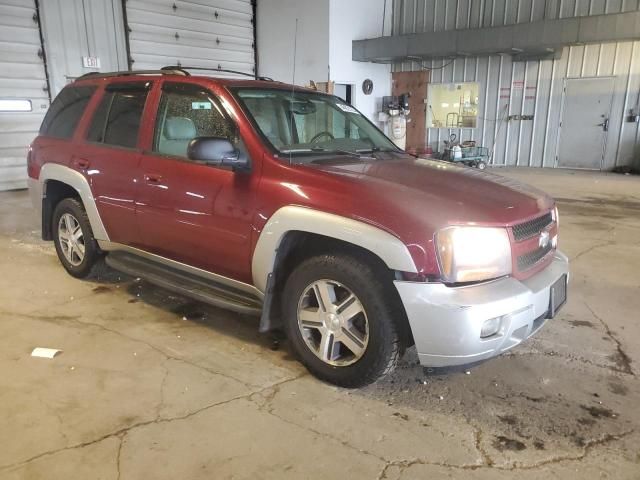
x,y
294,220
59,182
294,233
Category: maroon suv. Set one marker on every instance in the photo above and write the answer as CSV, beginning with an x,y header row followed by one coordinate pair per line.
x,y
289,204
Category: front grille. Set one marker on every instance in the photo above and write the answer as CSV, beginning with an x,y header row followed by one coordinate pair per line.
x,y
528,260
531,228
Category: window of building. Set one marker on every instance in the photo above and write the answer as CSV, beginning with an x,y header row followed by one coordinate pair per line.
x,y
453,105
65,112
187,112
15,105
117,119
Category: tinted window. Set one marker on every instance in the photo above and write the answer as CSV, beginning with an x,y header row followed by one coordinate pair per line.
x,y
96,129
186,112
118,117
65,112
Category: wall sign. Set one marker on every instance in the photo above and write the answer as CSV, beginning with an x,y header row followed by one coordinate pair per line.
x,y
91,62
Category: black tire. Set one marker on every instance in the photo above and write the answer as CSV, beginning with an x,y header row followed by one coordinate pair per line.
x,y
93,261
481,165
371,286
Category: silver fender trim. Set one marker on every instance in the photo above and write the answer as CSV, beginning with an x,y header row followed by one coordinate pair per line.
x,y
54,171
390,249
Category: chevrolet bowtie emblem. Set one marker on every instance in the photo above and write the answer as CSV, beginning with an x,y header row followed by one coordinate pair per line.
x,y
543,241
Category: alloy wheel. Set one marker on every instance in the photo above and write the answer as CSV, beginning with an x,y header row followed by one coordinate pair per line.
x,y
71,239
333,323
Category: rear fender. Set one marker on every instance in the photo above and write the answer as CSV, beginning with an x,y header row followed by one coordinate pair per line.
x,y
66,175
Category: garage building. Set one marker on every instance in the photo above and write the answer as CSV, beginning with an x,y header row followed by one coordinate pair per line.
x,y
529,103
208,272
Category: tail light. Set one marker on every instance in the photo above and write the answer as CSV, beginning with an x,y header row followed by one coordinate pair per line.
x,y
32,169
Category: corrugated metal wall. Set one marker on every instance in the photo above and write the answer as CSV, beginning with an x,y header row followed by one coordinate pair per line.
x,y
22,77
414,16
528,88
74,29
203,33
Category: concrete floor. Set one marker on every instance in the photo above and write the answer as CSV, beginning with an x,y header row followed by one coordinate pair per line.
x,y
151,385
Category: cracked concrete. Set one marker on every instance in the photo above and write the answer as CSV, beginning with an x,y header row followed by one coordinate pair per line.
x,y
152,385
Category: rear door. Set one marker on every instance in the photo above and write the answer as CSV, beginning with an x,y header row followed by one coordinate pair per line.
x,y
187,211
110,156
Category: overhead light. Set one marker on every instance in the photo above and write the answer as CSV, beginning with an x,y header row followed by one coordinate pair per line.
x,y
444,105
15,105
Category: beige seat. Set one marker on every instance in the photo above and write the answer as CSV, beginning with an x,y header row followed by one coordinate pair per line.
x,y
176,135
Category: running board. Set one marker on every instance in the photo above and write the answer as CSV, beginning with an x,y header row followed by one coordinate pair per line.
x,y
184,283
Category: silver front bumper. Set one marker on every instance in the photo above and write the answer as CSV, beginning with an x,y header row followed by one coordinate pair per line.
x,y
446,322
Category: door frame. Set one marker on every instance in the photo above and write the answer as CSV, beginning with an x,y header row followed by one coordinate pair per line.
x,y
556,162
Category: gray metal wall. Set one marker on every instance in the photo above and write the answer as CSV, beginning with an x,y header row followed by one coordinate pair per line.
x,y
76,28
538,84
202,33
22,77
413,16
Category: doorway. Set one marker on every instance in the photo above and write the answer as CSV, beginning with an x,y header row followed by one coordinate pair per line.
x,y
586,109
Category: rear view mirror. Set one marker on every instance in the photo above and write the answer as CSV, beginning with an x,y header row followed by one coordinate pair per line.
x,y
302,107
216,151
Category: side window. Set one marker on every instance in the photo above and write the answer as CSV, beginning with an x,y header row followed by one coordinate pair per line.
x,y
186,112
96,129
117,119
65,112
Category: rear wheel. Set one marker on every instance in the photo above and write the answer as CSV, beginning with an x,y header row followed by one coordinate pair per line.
x,y
77,250
340,320
481,165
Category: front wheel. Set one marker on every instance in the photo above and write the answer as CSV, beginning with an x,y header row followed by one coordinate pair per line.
x,y
340,318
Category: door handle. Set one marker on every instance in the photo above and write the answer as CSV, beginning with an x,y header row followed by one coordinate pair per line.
x,y
604,125
81,163
152,178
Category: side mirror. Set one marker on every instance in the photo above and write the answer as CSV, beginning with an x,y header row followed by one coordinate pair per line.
x,y
217,151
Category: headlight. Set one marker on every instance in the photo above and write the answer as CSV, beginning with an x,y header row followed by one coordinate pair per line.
x,y
468,254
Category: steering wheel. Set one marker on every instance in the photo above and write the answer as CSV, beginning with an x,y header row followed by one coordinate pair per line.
x,y
320,135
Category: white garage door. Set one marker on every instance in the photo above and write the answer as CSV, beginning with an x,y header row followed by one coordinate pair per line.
x,y
23,88
196,33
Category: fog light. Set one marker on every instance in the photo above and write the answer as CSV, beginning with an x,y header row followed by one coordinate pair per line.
x,y
490,327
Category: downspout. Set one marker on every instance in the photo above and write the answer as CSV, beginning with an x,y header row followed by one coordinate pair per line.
x,y
254,8
43,50
126,35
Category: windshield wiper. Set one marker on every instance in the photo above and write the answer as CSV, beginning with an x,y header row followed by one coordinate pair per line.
x,y
350,153
337,150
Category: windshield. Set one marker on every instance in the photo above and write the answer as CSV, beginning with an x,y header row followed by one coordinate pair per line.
x,y
306,123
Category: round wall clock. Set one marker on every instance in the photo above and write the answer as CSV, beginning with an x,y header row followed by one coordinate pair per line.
x,y
367,86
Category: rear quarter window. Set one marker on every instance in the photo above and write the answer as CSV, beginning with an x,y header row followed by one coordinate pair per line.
x,y
66,111
117,119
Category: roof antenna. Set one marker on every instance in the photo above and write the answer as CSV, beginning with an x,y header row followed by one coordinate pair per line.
x,y
293,83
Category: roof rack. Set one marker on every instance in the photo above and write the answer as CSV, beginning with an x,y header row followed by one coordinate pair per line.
x,y
163,71
236,72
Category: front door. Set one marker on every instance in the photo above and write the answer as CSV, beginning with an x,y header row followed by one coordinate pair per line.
x,y
187,211
585,122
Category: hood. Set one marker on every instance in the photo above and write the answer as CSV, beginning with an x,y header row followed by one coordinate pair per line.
x,y
442,191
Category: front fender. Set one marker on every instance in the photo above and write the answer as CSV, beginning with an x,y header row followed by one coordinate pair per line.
x,y
391,250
